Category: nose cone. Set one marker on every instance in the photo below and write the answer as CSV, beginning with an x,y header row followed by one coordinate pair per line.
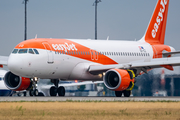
x,y
15,64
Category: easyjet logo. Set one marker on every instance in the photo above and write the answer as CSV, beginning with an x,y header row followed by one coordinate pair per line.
x,y
159,18
64,47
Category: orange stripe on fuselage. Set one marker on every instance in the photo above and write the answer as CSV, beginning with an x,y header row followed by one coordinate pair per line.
x,y
62,45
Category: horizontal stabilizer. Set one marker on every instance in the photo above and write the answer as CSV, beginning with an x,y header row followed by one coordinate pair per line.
x,y
166,54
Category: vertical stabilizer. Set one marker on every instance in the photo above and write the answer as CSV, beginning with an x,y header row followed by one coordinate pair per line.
x,y
155,33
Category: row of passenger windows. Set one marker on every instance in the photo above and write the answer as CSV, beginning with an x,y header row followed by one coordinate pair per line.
x,y
22,51
103,53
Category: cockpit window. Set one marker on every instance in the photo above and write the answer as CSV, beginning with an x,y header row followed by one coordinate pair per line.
x,y
15,51
31,51
23,51
1,78
36,51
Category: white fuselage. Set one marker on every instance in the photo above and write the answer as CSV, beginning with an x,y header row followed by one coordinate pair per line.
x,y
53,64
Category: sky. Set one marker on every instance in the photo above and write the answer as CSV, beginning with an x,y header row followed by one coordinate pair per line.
x,y
118,19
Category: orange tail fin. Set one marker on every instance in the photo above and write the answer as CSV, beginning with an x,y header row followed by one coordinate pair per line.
x,y
155,33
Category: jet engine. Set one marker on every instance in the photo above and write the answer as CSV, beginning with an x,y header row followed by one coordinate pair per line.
x,y
118,79
17,83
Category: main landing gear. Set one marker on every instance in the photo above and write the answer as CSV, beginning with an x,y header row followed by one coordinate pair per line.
x,y
126,93
54,90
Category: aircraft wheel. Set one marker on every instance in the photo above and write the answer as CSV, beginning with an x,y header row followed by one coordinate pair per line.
x,y
127,93
31,92
53,91
61,91
40,94
36,92
118,93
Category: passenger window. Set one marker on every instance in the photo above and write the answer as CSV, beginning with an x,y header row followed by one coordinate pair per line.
x,y
21,51
36,51
31,51
92,53
15,51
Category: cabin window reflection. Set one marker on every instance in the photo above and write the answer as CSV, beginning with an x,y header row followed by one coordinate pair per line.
x,y
31,51
36,51
15,51
21,51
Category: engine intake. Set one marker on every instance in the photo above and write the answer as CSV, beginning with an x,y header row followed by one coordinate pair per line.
x,y
17,83
117,79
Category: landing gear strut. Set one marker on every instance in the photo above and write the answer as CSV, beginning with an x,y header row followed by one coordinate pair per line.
x,y
54,90
34,91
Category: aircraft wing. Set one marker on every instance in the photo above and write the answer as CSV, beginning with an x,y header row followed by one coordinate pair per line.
x,y
154,63
81,83
3,60
72,84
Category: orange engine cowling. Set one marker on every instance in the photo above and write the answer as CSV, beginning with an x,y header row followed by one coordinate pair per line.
x,y
17,83
117,79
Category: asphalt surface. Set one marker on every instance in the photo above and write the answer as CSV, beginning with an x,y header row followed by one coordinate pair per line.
x,y
89,99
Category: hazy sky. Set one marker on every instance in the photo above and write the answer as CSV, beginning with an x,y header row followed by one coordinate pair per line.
x,y
118,19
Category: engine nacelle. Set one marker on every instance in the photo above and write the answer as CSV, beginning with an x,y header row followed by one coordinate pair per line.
x,y
17,83
117,79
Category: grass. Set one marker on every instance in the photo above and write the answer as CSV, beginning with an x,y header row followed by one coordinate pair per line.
x,y
90,110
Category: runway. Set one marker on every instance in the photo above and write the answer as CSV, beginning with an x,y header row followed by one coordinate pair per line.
x,y
96,99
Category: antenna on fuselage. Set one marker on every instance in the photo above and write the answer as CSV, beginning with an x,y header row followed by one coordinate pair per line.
x,y
95,4
25,29
36,36
107,38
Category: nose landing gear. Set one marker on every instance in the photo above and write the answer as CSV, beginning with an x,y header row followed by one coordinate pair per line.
x,y
34,91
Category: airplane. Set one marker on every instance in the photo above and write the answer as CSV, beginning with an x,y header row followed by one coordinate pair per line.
x,y
4,91
115,62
